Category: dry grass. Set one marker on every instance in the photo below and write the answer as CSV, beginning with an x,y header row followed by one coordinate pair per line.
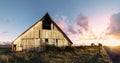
x,y
54,55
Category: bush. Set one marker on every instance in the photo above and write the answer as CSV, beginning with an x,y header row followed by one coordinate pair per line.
x,y
53,48
68,48
92,44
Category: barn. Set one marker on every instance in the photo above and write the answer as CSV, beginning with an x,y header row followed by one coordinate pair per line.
x,y
44,32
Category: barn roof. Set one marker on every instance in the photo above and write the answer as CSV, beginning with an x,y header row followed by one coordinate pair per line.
x,y
46,16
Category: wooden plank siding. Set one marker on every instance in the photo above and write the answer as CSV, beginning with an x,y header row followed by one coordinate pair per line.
x,y
36,38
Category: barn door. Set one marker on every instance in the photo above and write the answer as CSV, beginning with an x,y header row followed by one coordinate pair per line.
x,y
14,47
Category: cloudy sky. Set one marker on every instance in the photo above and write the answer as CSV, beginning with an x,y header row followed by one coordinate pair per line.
x,y
83,19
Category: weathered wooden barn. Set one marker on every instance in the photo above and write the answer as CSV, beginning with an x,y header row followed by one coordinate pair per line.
x,y
42,33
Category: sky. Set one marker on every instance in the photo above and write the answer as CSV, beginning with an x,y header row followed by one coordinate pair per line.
x,y
18,15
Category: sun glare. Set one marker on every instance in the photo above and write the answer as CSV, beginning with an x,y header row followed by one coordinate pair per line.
x,y
99,26
100,22
111,42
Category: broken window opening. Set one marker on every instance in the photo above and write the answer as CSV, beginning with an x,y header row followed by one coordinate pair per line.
x,y
46,25
46,41
57,42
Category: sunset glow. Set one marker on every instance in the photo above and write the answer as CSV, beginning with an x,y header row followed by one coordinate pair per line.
x,y
111,42
100,23
103,42
84,22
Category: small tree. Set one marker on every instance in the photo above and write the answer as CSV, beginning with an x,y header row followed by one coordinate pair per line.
x,y
100,45
92,44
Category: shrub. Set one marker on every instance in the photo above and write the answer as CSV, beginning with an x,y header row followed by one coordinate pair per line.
x,y
53,48
68,48
92,44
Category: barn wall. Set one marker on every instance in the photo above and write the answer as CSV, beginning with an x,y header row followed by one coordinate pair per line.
x,y
36,37
17,43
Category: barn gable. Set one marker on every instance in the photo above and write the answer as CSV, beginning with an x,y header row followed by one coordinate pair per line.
x,y
42,33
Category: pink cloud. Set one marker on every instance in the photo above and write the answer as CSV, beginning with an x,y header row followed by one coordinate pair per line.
x,y
62,24
79,30
72,29
114,26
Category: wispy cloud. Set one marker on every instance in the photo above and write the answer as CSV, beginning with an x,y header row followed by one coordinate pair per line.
x,y
5,21
61,22
4,32
82,21
5,43
114,26
73,29
79,30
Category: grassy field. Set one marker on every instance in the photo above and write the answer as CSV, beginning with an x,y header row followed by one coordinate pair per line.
x,y
5,49
82,54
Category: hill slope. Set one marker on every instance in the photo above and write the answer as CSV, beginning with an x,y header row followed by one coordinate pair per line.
x,y
80,54
114,53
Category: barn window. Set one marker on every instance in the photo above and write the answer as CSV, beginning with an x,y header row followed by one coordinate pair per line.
x,y
46,25
46,41
39,33
57,42
14,46
53,26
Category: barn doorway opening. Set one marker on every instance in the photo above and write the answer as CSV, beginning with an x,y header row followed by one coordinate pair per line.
x,y
14,46
56,42
46,41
